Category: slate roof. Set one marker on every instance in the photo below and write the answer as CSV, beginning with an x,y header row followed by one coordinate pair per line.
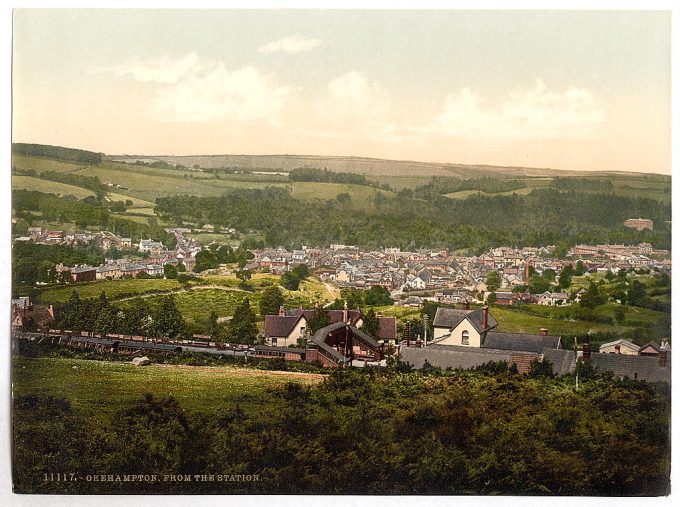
x,y
520,341
451,317
564,361
83,269
646,367
320,336
337,315
388,328
452,356
475,318
278,326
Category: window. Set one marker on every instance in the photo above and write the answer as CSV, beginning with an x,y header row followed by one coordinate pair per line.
x,y
273,342
465,338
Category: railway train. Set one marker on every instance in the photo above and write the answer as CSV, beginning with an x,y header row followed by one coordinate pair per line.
x,y
135,344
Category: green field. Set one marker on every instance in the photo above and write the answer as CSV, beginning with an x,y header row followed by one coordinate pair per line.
x,y
205,238
101,387
137,203
144,184
464,194
132,218
49,187
40,164
510,321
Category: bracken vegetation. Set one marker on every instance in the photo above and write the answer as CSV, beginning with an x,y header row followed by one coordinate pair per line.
x,y
357,432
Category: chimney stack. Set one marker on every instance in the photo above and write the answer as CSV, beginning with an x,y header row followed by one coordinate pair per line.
x,y
544,331
282,311
526,275
663,358
586,350
345,314
485,317
467,304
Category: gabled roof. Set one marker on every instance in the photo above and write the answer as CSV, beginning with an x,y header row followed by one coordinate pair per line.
x,y
563,361
655,346
337,316
388,328
278,326
449,317
520,341
475,318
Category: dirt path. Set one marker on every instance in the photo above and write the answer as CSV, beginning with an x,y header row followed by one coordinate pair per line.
x,y
332,290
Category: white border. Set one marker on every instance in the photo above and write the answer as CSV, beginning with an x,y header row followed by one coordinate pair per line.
x,y
7,498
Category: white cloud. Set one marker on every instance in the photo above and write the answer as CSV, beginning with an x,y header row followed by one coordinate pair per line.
x,y
196,89
162,69
242,95
533,114
291,45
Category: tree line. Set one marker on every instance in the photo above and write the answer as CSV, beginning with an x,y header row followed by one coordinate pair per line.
x,y
543,217
57,152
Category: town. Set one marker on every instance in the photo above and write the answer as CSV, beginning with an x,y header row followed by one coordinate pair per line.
x,y
503,276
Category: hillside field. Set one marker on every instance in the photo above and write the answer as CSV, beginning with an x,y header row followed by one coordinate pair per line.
x,y
100,387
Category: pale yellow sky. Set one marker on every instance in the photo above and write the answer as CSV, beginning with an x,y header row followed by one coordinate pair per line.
x,y
567,90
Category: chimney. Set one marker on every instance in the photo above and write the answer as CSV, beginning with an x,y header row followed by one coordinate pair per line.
x,y
586,350
617,348
467,304
544,331
664,344
485,317
345,313
663,357
526,275
282,311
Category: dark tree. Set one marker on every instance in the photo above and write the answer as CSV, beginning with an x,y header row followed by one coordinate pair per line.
x,y
493,281
271,301
167,319
242,328
370,325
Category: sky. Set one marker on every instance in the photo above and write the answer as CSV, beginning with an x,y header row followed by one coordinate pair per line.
x,y
583,90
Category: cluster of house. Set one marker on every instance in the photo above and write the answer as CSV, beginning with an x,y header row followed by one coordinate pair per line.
x,y
466,339
452,277
616,257
158,256
103,239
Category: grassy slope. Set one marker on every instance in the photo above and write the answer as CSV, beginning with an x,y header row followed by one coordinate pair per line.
x,y
49,187
146,184
113,288
99,386
510,321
